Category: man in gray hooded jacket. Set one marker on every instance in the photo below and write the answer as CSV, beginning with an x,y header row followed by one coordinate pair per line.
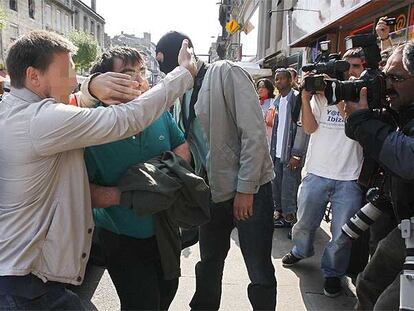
x,y
224,125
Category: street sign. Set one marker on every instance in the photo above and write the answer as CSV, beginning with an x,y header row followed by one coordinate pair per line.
x,y
232,26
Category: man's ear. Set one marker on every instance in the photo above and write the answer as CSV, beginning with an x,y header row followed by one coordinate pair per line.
x,y
33,76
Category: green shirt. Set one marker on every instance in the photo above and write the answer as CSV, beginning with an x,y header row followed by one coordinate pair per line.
x,y
106,164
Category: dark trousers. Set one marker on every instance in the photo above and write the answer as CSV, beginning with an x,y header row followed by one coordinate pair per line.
x,y
56,298
285,187
255,237
135,269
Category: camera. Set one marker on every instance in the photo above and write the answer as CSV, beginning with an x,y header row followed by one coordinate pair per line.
x,y
368,214
372,78
390,21
325,64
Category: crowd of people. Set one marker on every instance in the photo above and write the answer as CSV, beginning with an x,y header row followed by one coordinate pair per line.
x,y
120,173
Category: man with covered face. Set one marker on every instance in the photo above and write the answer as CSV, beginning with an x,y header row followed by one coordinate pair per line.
x,y
224,126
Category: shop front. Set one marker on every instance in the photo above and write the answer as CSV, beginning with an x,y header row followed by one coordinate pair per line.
x,y
336,19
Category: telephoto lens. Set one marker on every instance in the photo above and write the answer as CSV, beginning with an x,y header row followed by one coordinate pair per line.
x,y
367,215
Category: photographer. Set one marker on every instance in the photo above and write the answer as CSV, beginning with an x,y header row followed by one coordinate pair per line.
x,y
383,32
378,284
333,163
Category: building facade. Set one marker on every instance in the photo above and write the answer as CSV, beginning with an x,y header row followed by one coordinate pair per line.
x,y
61,16
21,16
58,16
86,19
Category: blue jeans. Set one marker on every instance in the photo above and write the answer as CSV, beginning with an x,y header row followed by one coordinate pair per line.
x,y
285,187
57,298
314,194
255,237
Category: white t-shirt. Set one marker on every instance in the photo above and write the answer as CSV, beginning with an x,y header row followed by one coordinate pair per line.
x,y
281,114
330,153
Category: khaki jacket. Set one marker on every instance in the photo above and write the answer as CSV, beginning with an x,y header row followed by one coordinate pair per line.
x,y
229,113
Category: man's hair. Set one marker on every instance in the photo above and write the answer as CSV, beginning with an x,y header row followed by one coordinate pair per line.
x,y
284,71
268,85
35,49
408,57
105,62
293,72
354,53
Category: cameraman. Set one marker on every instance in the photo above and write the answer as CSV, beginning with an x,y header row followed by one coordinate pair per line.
x,y
333,163
356,59
378,284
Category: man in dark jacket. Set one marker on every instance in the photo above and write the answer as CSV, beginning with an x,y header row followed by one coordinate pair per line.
x,y
288,149
378,284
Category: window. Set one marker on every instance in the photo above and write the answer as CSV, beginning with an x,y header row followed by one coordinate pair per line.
x,y
76,20
31,4
13,5
85,24
92,28
98,34
48,15
67,24
58,21
14,32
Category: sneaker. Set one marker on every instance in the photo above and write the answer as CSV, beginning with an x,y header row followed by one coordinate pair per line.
x,y
282,223
289,260
332,287
277,215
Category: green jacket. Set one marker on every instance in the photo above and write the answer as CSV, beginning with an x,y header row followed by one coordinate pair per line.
x,y
167,188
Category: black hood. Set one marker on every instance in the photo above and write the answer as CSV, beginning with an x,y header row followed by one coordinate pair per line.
x,y
170,45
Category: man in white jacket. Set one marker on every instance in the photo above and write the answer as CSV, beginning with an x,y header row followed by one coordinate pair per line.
x,y
45,213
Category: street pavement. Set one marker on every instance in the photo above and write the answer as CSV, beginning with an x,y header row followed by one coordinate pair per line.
x,y
299,288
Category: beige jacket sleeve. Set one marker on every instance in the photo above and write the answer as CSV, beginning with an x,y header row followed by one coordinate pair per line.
x,y
57,127
85,99
240,92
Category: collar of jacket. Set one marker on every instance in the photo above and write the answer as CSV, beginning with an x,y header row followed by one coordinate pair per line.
x,y
25,94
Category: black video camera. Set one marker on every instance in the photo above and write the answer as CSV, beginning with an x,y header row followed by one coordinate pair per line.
x,y
325,64
372,78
